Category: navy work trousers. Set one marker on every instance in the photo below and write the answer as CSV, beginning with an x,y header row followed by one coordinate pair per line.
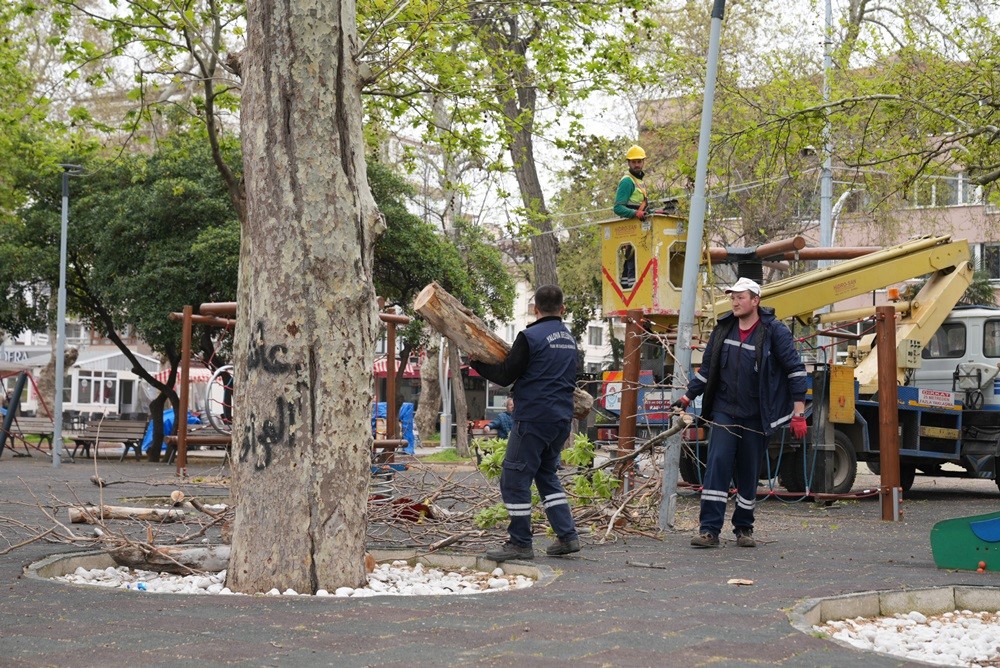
x,y
735,451
533,450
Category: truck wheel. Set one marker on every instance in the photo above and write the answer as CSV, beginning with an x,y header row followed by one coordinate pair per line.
x,y
907,472
845,464
692,469
790,473
875,467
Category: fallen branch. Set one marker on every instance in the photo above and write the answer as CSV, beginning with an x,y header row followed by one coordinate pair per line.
x,y
90,514
28,541
682,422
183,560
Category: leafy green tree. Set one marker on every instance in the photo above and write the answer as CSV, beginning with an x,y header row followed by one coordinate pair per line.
x,y
911,96
412,253
503,75
594,168
25,131
147,235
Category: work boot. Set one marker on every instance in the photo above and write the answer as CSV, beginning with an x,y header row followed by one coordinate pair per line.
x,y
705,540
511,551
561,547
745,539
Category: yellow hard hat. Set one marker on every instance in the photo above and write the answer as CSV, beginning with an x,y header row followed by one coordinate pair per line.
x,y
635,153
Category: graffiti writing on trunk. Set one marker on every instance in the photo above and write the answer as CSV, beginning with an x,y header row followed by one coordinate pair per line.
x,y
264,357
263,433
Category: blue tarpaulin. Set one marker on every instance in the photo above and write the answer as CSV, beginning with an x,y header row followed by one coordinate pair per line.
x,y
405,420
168,428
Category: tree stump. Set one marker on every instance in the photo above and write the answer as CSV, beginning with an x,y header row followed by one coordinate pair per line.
x,y
453,319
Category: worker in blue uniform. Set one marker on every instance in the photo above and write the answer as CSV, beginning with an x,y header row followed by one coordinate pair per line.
x,y
542,367
754,383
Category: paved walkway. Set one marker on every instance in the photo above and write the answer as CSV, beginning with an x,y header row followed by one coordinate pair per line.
x,y
637,602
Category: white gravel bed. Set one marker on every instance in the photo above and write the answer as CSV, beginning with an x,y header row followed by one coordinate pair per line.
x,y
395,579
959,638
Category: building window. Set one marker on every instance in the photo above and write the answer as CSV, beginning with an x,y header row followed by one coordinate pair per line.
x,y
988,260
595,336
939,191
75,333
509,333
127,387
97,387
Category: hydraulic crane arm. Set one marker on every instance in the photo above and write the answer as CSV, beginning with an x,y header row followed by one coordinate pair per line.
x,y
801,295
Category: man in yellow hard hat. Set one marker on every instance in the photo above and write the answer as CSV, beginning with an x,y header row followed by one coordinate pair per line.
x,y
631,200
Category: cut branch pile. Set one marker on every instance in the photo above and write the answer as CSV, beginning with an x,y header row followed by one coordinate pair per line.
x,y
431,507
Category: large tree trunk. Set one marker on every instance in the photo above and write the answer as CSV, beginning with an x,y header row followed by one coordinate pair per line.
x,y
429,407
47,377
510,40
306,323
461,404
156,415
543,245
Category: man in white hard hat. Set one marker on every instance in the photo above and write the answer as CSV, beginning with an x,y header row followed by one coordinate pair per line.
x,y
754,383
631,198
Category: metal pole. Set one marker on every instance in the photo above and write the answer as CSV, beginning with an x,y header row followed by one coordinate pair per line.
x,y
826,174
57,420
888,411
692,261
445,383
826,212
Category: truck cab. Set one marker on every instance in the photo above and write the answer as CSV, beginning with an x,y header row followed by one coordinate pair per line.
x,y
963,356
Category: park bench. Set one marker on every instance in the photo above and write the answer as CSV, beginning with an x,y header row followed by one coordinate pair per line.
x,y
27,426
34,426
127,432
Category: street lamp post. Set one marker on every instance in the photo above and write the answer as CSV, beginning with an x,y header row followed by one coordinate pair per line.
x,y
68,170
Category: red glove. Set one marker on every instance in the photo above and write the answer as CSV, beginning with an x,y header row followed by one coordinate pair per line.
x,y
641,212
799,426
681,403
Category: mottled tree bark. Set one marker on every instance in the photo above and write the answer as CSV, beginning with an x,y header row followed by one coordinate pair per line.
x,y
306,329
461,404
429,407
47,376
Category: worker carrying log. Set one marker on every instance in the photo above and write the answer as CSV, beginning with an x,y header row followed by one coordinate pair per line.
x,y
450,317
541,365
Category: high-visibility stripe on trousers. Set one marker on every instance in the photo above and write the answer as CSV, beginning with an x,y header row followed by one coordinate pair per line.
x,y
735,451
532,456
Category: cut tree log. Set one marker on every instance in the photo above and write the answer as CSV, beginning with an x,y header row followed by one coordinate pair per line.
x,y
179,559
453,319
450,317
94,514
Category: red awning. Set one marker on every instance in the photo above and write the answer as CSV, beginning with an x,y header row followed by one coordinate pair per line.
x,y
411,370
195,375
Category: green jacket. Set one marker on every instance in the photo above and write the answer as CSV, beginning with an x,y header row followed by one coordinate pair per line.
x,y
630,195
